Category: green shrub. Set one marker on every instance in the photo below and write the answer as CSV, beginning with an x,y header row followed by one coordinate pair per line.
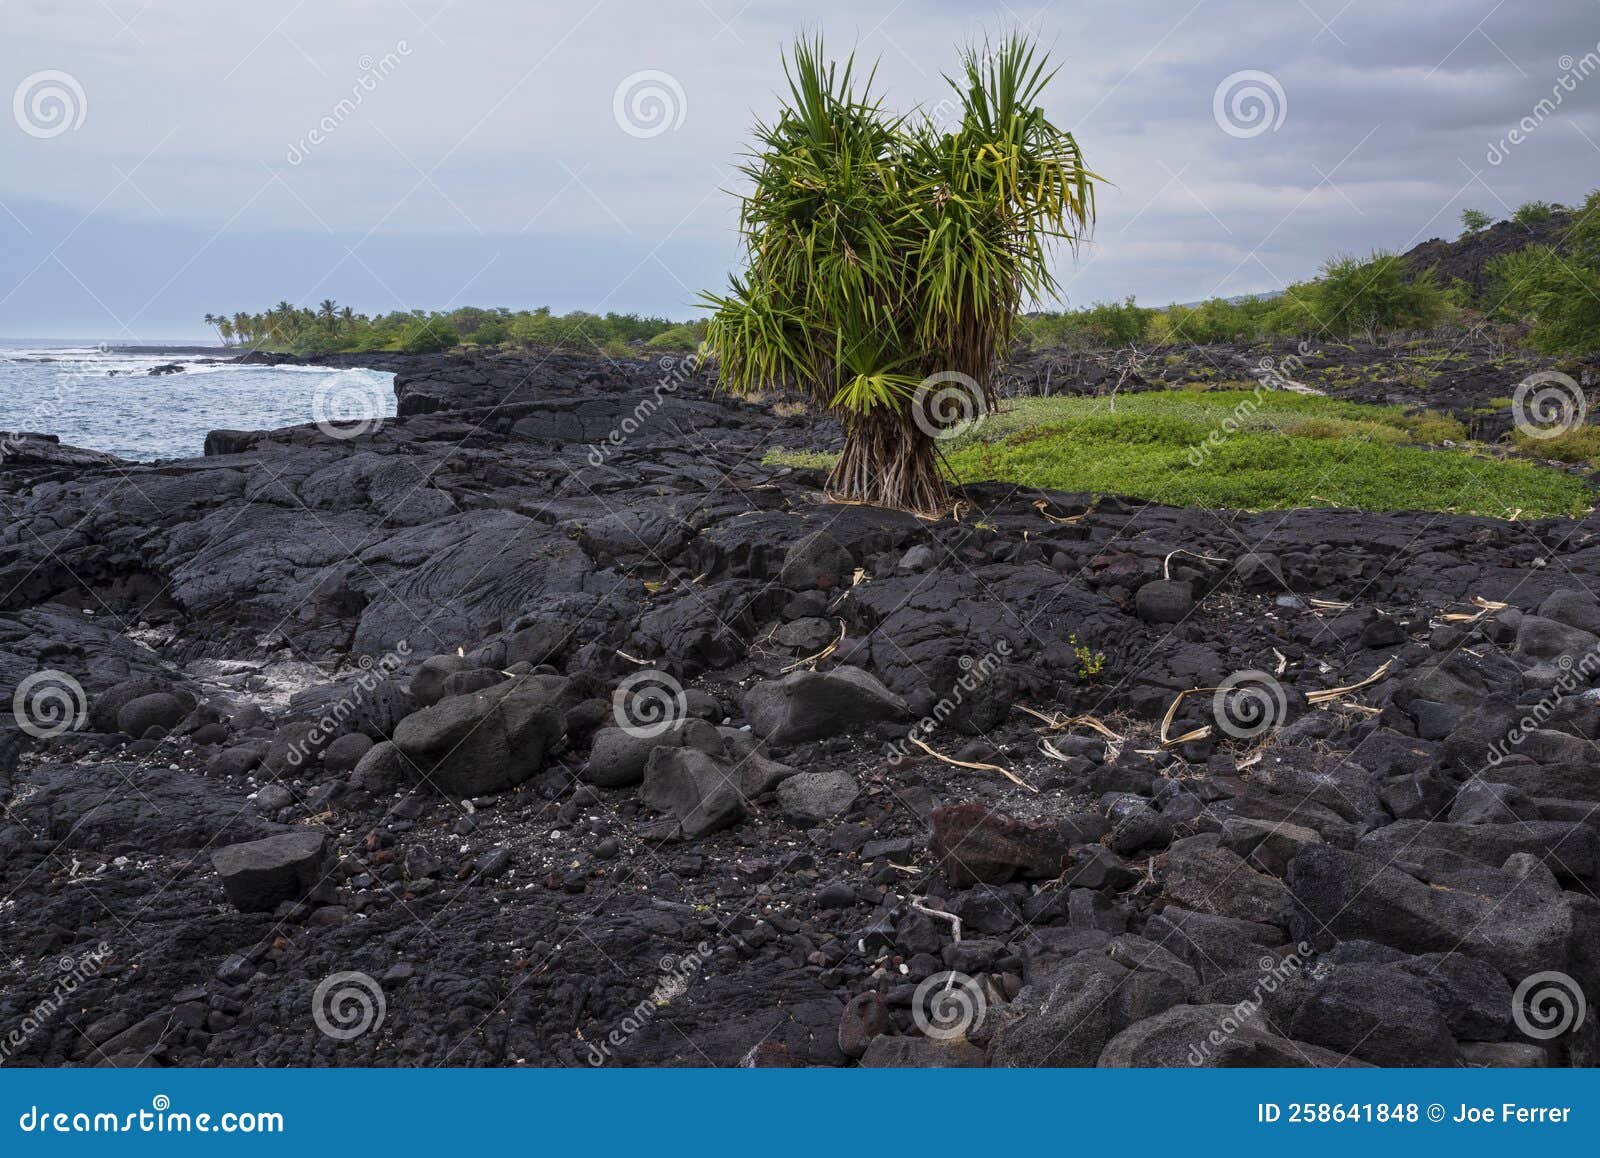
x,y
1119,323
1580,444
1558,295
1217,320
688,336
1434,428
1361,296
429,336
1534,212
489,334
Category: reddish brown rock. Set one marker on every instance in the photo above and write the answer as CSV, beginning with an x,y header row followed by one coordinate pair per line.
x,y
980,845
865,1017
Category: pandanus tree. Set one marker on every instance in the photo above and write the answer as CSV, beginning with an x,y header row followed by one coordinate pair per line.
x,y
887,256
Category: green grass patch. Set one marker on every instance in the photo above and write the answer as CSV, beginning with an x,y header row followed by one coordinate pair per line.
x,y
1249,410
804,459
1344,428
1580,444
1240,449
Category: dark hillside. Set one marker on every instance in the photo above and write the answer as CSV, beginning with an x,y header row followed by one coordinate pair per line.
x,y
1467,257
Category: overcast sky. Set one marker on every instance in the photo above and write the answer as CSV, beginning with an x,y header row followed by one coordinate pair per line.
x,y
169,157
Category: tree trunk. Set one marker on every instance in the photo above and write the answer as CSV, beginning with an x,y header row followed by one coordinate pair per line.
x,y
888,461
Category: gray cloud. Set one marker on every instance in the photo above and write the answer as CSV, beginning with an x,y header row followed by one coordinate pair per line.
x,y
471,148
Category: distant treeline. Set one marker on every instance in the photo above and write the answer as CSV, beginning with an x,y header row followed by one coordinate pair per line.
x,y
330,328
1550,298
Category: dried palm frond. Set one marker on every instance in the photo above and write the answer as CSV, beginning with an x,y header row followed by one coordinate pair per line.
x,y
953,762
1043,507
813,660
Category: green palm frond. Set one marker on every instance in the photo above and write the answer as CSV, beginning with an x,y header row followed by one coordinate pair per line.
x,y
882,248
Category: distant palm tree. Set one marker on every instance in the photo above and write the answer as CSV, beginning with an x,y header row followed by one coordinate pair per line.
x,y
282,321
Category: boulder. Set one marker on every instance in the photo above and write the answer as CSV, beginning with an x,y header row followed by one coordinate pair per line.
x,y
464,683
259,875
1068,1018
1542,638
1266,845
427,683
700,793
617,756
108,705
1164,601
161,710
1213,945
865,1017
975,844
814,797
1212,1036
1485,802
1571,849
1217,880
1573,607
809,705
484,742
236,761
382,769
816,560
1474,999
345,753
1135,826
1500,917
1379,1014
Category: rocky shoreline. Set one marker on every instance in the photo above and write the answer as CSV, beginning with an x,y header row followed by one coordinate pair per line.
x,y
543,724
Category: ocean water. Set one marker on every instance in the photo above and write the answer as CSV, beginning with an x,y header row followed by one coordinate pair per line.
x,y
103,398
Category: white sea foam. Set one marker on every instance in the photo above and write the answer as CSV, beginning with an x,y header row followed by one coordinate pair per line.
x,y
102,399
